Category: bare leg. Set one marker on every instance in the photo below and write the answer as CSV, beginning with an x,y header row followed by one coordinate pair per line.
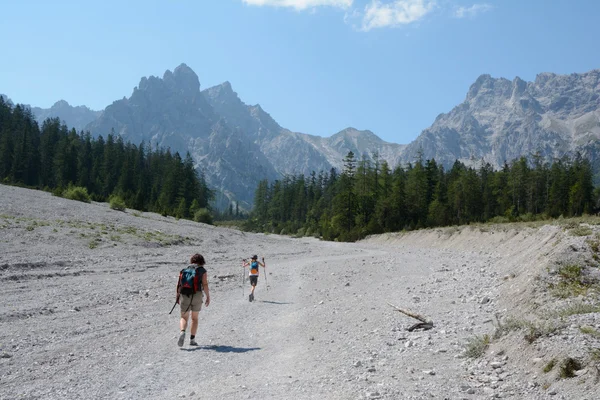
x,y
184,320
194,328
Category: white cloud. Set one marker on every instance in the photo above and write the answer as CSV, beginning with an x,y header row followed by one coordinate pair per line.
x,y
464,12
395,13
301,4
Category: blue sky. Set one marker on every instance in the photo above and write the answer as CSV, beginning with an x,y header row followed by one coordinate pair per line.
x,y
317,66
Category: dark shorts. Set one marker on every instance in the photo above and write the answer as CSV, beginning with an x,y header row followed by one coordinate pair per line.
x,y
254,280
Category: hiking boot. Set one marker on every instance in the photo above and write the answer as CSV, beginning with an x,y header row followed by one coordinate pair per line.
x,y
250,298
193,342
181,339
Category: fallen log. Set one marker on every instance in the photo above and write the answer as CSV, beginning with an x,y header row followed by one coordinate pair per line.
x,y
425,323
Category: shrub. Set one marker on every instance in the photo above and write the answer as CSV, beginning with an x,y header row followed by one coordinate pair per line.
x,y
117,203
476,346
58,192
568,367
528,217
76,193
204,216
581,231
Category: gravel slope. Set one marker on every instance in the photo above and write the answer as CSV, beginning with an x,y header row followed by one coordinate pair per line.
x,y
86,292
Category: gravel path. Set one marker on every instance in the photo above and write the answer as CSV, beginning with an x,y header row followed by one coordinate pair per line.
x,y
86,292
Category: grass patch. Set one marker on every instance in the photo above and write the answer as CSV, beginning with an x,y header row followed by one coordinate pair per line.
x,y
578,309
92,244
476,346
571,283
115,238
533,331
588,330
128,230
594,244
509,325
550,366
536,331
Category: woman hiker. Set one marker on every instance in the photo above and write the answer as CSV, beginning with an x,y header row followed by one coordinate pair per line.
x,y
191,288
253,266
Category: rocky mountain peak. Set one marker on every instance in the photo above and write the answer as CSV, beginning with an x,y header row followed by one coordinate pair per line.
x,y
6,99
484,81
223,92
61,104
183,80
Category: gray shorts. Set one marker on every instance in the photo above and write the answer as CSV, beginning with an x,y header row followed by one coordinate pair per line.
x,y
196,300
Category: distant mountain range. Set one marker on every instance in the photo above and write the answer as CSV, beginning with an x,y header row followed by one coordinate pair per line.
x,y
75,117
501,120
236,145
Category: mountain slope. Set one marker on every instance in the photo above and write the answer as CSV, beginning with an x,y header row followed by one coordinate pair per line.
x,y
172,113
501,120
293,152
74,117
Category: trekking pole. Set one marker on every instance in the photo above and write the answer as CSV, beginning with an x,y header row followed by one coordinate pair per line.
x,y
176,302
265,269
243,278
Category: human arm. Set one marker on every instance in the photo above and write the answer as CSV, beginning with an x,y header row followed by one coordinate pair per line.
x,y
205,288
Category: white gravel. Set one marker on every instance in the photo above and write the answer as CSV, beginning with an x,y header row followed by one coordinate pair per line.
x,y
85,294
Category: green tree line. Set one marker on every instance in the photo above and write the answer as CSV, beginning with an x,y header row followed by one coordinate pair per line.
x,y
53,157
368,197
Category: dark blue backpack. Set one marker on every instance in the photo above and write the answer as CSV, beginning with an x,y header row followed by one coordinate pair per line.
x,y
190,280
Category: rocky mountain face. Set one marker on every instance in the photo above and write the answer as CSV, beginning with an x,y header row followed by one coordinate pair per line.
x,y
171,112
501,120
236,145
75,117
292,152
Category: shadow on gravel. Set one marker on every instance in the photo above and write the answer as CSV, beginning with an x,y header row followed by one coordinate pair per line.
x,y
273,302
223,349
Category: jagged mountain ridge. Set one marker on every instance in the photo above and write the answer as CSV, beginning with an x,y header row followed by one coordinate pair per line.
x,y
171,112
236,144
293,152
501,120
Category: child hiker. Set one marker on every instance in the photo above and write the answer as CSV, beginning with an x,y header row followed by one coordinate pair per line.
x,y
253,267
